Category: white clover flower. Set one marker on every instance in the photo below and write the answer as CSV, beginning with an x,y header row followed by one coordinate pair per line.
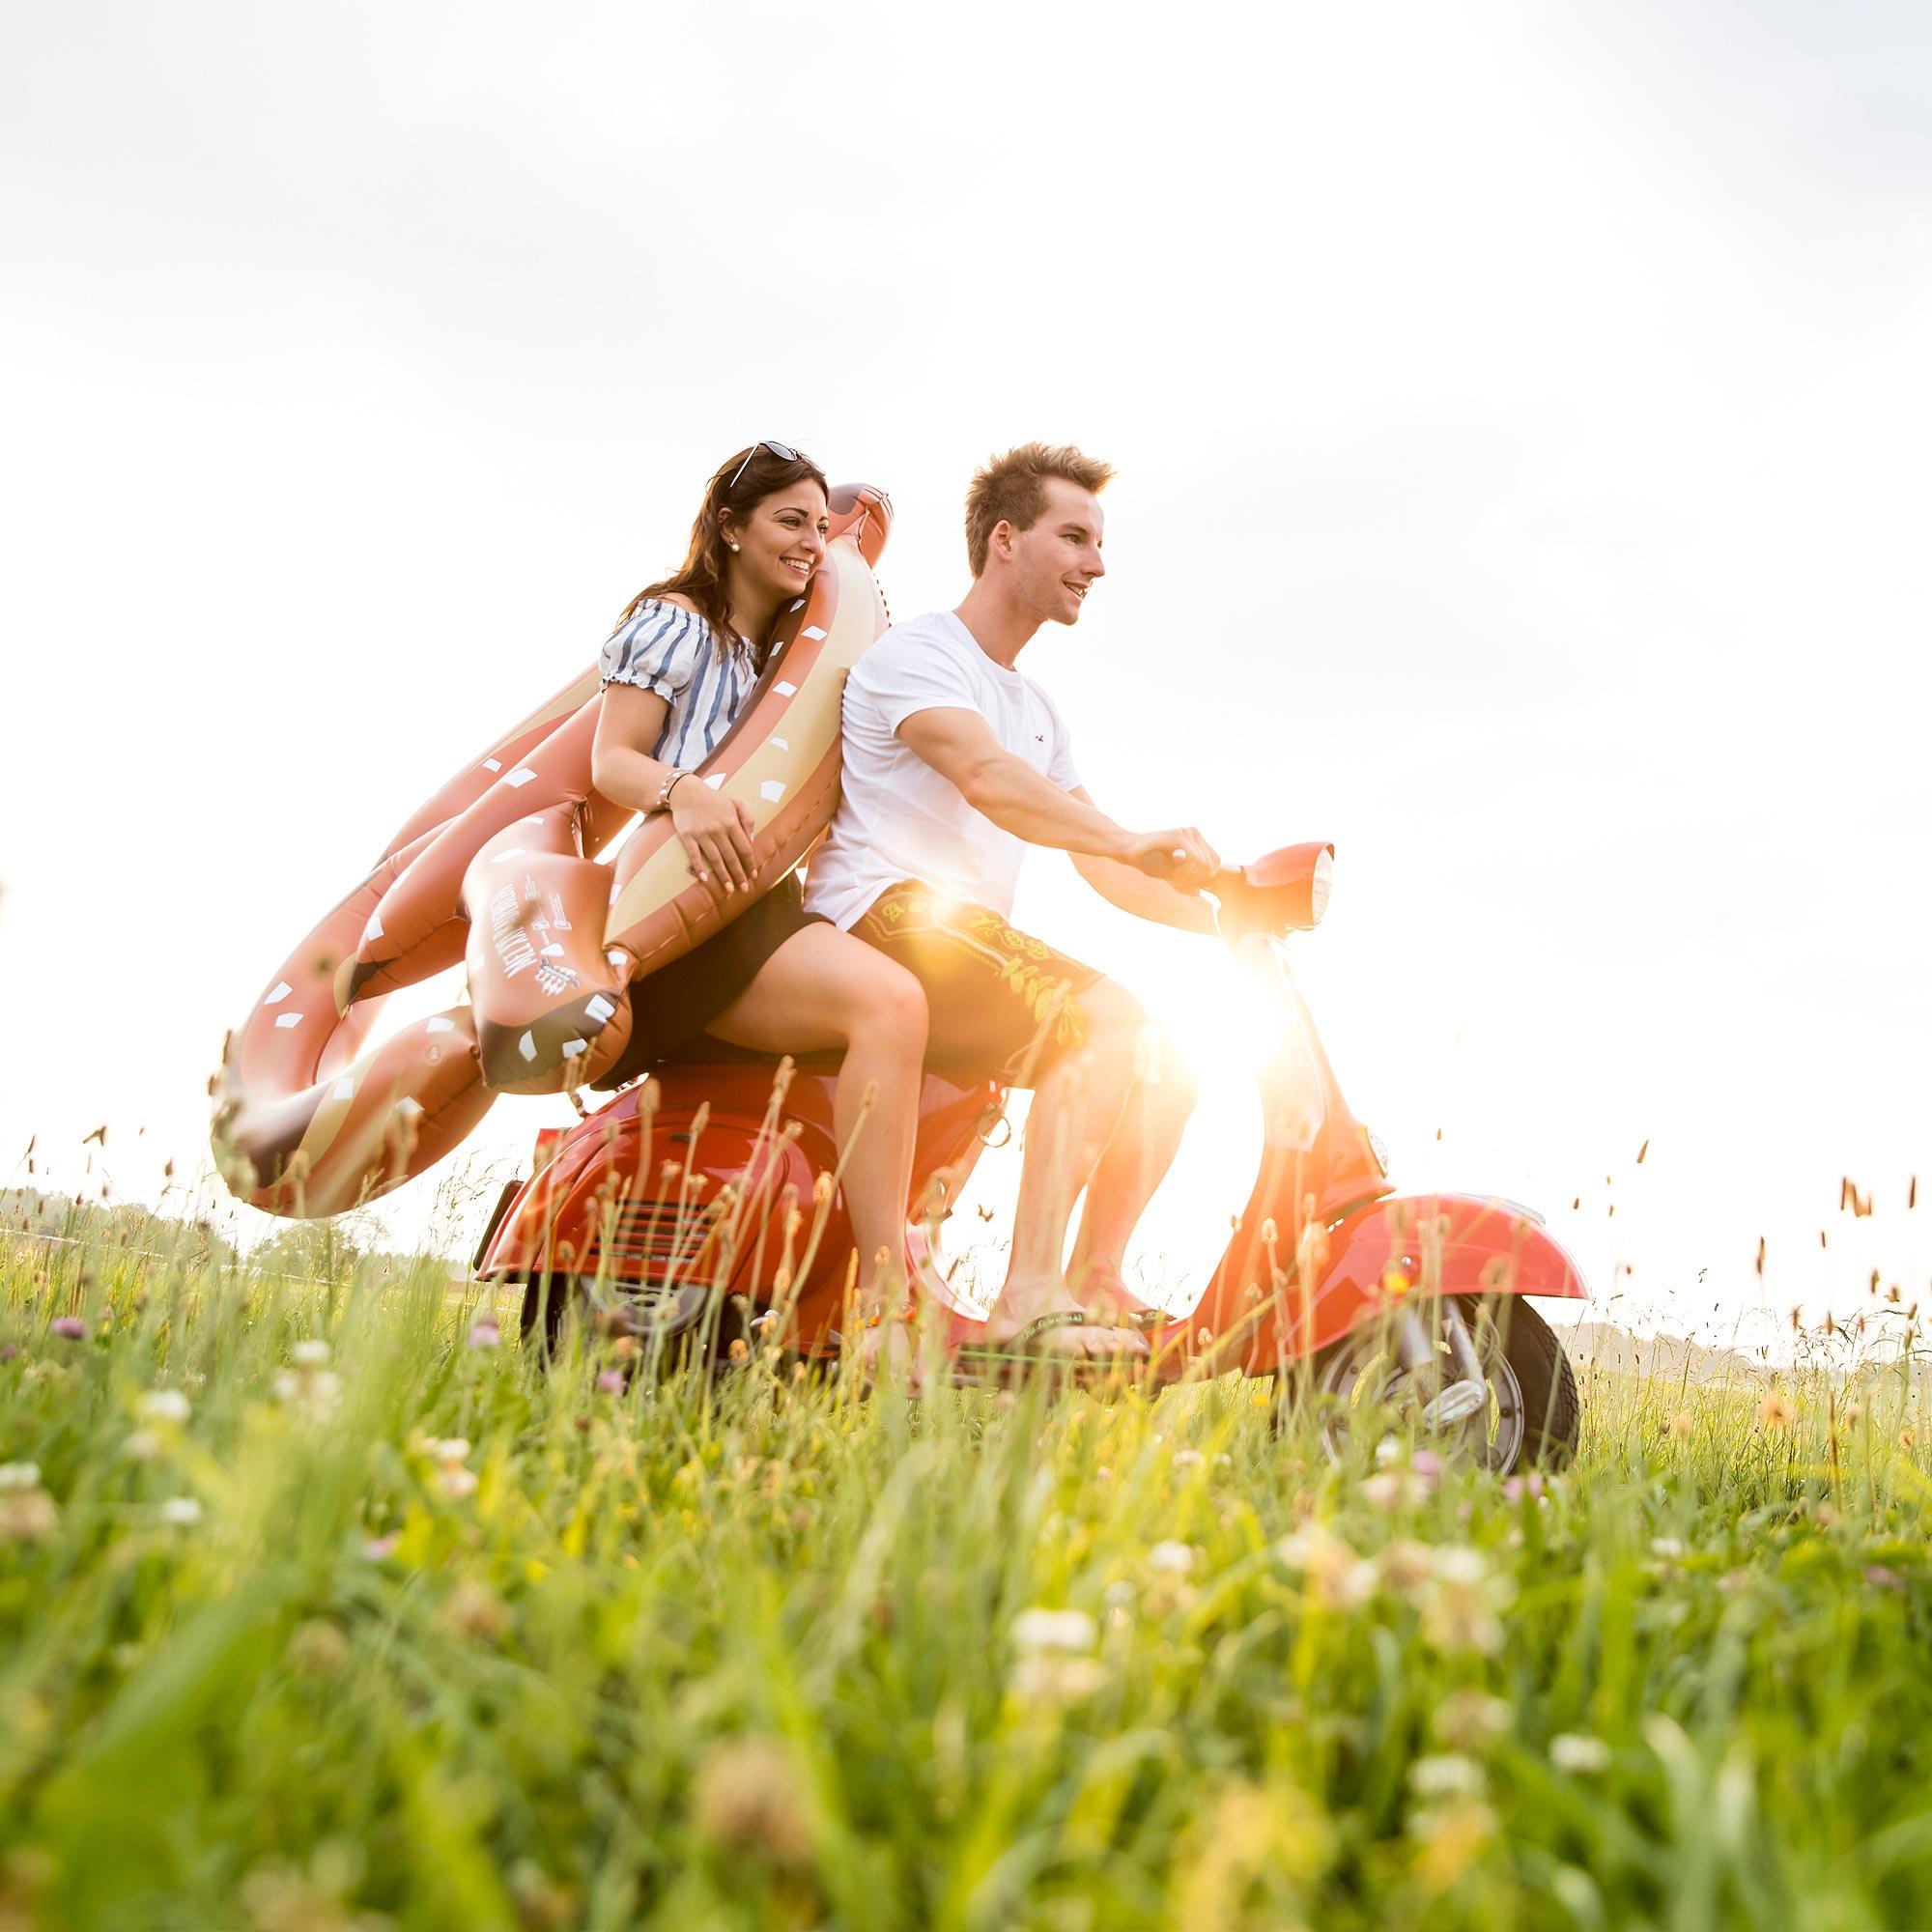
x,y
1461,1601
181,1511
142,1446
1336,1578
1039,1630
1667,1548
1186,1461
19,1475
451,1449
1449,1774
310,1354
165,1405
1172,1559
1045,1677
1467,1720
1572,1752
1406,1565
457,1481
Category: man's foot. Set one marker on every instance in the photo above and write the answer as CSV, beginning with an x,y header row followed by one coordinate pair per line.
x,y
1087,1340
1108,1298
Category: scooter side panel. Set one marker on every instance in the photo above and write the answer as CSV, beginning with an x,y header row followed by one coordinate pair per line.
x,y
1404,1247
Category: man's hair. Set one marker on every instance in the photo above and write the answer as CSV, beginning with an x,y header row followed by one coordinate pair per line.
x,y
1012,489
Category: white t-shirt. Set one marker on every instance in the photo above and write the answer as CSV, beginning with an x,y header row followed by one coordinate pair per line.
x,y
899,819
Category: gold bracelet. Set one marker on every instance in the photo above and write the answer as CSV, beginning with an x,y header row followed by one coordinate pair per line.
x,y
665,789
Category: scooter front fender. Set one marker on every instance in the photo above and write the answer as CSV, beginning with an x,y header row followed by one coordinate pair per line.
x,y
1402,1248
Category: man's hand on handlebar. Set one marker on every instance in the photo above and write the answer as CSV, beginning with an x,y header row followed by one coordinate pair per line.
x,y
1182,857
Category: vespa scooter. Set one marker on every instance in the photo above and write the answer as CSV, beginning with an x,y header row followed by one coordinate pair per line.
x,y
704,1201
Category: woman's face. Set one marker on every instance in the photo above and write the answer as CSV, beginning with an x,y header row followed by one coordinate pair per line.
x,y
781,540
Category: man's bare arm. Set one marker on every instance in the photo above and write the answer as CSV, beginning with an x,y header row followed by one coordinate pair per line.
x,y
959,745
1134,891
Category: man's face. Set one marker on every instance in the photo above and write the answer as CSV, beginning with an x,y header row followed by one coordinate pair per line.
x,y
1057,560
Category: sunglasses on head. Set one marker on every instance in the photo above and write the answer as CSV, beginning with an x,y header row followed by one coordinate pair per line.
x,y
777,450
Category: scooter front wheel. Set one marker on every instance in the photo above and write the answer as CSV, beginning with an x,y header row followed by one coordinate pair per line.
x,y
1481,1380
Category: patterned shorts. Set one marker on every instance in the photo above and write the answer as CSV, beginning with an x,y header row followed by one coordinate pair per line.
x,y
1002,1001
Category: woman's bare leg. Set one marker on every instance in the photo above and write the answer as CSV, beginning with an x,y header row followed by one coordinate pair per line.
x,y
823,989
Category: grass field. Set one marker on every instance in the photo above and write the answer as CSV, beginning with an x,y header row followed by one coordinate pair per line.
x,y
323,1608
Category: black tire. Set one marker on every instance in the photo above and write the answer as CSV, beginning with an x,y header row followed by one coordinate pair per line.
x,y
1552,1410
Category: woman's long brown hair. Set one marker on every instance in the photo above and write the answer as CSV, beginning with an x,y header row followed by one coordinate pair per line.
x,y
741,483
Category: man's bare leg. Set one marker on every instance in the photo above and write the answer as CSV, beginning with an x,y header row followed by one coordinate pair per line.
x,y
1135,1162
1076,1110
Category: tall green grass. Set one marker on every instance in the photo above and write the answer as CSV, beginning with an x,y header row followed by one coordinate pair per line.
x,y
322,1608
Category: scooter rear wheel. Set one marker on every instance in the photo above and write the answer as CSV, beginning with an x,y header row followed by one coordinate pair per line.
x,y
1520,1411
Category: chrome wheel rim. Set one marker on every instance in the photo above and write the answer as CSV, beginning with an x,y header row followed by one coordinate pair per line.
x,y
1462,1399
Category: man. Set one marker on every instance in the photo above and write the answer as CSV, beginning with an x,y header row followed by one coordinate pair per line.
x,y
954,763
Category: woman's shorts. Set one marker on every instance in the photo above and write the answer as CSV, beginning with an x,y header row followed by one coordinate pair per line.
x,y
1001,1002
671,1008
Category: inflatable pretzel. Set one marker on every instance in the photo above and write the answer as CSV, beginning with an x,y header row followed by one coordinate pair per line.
x,y
504,870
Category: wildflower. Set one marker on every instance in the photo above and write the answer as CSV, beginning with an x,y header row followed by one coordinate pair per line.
x,y
1465,1720
70,1329
1186,1461
474,1609
1335,1577
1680,1428
1531,1486
1039,1630
1447,1775
749,1800
1173,1559
1390,1490
1461,1604
143,1447
1880,1577
379,1548
1572,1752
27,1513
182,1512
1048,1678
1406,1565
166,1405
317,1648
311,1390
1667,1548
611,1380
1450,1837
1775,1413
484,1332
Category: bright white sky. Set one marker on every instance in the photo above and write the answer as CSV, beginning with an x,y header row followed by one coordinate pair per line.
x,y
1521,416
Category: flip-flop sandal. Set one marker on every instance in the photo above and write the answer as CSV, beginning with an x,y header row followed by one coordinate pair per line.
x,y
977,1363
1130,1310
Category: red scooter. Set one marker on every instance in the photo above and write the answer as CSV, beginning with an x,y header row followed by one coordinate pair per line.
x,y
708,1194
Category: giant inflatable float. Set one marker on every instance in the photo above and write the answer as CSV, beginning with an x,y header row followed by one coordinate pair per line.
x,y
553,898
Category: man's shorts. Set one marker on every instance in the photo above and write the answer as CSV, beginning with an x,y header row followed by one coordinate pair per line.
x,y
1002,1003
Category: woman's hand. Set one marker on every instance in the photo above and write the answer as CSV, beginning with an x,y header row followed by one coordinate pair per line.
x,y
716,833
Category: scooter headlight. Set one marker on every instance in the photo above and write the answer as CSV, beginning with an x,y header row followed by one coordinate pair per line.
x,y
1320,887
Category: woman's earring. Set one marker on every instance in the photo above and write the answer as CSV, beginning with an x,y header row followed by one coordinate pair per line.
x,y
735,547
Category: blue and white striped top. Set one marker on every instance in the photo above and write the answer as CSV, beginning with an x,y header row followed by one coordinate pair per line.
x,y
674,653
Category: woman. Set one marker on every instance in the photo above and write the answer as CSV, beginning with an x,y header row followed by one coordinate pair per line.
x,y
684,657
